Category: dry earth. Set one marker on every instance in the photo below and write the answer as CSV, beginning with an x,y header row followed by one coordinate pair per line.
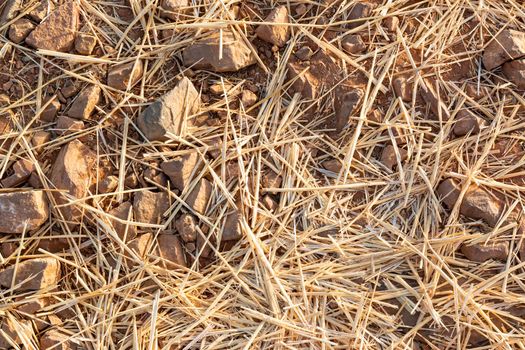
x,y
292,174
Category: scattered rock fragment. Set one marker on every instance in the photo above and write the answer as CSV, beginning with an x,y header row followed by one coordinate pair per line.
x,y
389,157
391,23
170,250
479,203
402,89
72,172
182,170
54,244
126,232
20,30
85,44
56,340
248,98
11,9
186,227
353,44
359,13
50,112
39,139
507,45
448,191
70,89
22,211
108,184
12,332
199,197
304,53
277,32
205,53
22,169
515,72
270,203
172,9
66,125
437,107
467,123
481,253
170,113
122,75
346,106
270,179
333,165
148,206
41,11
232,227
33,274
58,31
85,103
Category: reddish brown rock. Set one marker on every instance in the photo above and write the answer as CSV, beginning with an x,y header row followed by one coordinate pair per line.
x,y
480,204
33,274
391,23
50,112
359,13
56,340
200,195
448,192
149,207
304,53
248,98
12,331
205,53
85,44
353,44
125,231
122,75
22,211
467,123
173,9
389,157
66,125
515,72
186,227
333,165
270,179
22,169
41,11
85,103
277,31
232,230
73,173
507,45
70,89
270,203
171,113
11,9
346,107
108,184
20,30
402,88
54,244
170,250
39,139
58,31
434,101
182,170
481,253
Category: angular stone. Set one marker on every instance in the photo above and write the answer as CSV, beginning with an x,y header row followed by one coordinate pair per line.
x,y
56,340
270,203
85,43
11,332
515,72
121,75
126,232
448,192
41,11
36,274
182,170
467,123
20,30
402,89
170,113
232,227
353,44
53,245
108,184
85,103
248,98
205,53
360,11
304,53
148,206
481,253
507,45
66,125
57,32
391,23
22,211
389,157
172,9
50,112
200,195
11,9
39,139
346,107
73,172
270,179
170,250
278,32
437,106
479,204
333,165
22,169
186,227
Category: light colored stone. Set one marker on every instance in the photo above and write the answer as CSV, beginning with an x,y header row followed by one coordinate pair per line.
x,y
56,340
66,125
182,170
22,211
248,98
515,72
122,75
33,274
11,9
186,227
50,112
507,45
42,10
148,206
126,232
480,204
39,139
85,103
19,30
200,196
22,169
278,32
172,9
85,43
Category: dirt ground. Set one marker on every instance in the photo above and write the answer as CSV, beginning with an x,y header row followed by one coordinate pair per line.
x,y
256,174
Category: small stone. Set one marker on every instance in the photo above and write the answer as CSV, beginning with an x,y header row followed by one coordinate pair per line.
x,y
155,177
85,103
22,169
131,181
70,90
301,9
333,165
125,231
232,227
170,250
172,9
353,44
345,107
53,245
219,89
437,107
108,184
66,125
149,207
11,331
37,274
359,12
304,53
39,139
41,11
270,179
278,32
199,197
85,44
8,248
33,306
186,227
121,75
391,23
22,211
4,100
20,30
389,156
269,203
56,340
35,181
182,170
507,45
206,53
481,253
11,9
50,112
248,98
478,204
171,113
448,192
57,32
515,72
73,172
402,89
467,123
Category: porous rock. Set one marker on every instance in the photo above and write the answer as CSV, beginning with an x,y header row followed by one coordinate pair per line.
x,y
181,170
277,32
23,211
33,274
149,206
85,103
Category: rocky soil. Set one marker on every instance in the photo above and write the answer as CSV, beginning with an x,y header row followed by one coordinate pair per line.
x,y
328,174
